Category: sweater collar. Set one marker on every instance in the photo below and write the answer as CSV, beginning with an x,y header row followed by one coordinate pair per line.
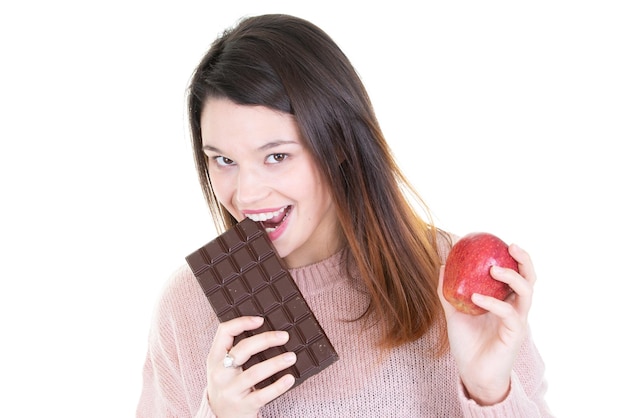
x,y
317,277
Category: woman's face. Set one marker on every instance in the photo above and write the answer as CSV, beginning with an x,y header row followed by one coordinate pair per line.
x,y
259,168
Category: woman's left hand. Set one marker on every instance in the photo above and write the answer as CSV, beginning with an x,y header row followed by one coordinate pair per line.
x,y
485,346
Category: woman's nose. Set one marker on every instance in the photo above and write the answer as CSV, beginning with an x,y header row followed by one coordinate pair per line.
x,y
251,186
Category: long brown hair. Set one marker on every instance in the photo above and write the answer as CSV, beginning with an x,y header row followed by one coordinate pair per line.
x,y
290,65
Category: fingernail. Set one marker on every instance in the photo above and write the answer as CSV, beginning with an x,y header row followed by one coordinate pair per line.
x,y
289,357
477,297
287,380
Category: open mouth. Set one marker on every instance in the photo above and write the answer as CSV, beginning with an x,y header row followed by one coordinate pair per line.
x,y
271,220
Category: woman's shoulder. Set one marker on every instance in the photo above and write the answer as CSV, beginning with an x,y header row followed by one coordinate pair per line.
x,y
181,294
181,282
182,324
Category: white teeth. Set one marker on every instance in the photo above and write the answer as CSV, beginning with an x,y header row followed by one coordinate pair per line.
x,y
260,217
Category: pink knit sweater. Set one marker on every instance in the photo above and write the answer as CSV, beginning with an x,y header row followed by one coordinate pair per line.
x,y
406,382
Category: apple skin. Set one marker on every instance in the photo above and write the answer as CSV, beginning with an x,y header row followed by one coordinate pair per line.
x,y
467,271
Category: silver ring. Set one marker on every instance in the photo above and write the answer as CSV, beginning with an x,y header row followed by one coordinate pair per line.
x,y
229,362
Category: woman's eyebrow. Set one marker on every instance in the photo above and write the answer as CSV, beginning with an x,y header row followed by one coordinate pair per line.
x,y
273,144
264,147
210,148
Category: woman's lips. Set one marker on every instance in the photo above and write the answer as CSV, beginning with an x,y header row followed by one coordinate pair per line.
x,y
272,221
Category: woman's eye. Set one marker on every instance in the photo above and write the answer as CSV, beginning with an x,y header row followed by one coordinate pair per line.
x,y
276,158
223,161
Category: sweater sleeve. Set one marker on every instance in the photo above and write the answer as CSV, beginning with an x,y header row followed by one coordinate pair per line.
x,y
167,389
528,386
205,409
526,396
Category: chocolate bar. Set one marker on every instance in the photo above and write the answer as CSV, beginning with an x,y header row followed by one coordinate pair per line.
x,y
241,274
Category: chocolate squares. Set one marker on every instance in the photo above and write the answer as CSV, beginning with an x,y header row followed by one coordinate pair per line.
x,y
241,274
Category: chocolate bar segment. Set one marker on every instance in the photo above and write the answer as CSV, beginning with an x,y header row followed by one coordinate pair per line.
x,y
241,274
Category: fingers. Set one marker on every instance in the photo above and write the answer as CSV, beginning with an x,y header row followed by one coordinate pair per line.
x,y
262,371
231,389
517,305
518,282
226,333
262,397
247,347
495,306
240,388
522,285
525,265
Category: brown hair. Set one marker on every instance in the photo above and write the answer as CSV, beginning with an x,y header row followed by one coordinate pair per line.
x,y
290,65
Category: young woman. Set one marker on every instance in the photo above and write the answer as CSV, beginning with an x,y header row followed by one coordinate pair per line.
x,y
284,133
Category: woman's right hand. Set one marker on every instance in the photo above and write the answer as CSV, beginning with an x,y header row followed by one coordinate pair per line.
x,y
231,389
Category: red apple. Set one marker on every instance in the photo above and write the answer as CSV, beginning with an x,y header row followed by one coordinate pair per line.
x,y
467,271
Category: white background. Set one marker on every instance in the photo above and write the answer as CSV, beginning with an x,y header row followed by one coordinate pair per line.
x,y
508,118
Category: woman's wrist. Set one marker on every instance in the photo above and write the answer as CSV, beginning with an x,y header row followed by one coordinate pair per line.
x,y
486,396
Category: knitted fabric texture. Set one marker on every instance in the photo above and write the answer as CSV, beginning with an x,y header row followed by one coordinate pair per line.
x,y
407,381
